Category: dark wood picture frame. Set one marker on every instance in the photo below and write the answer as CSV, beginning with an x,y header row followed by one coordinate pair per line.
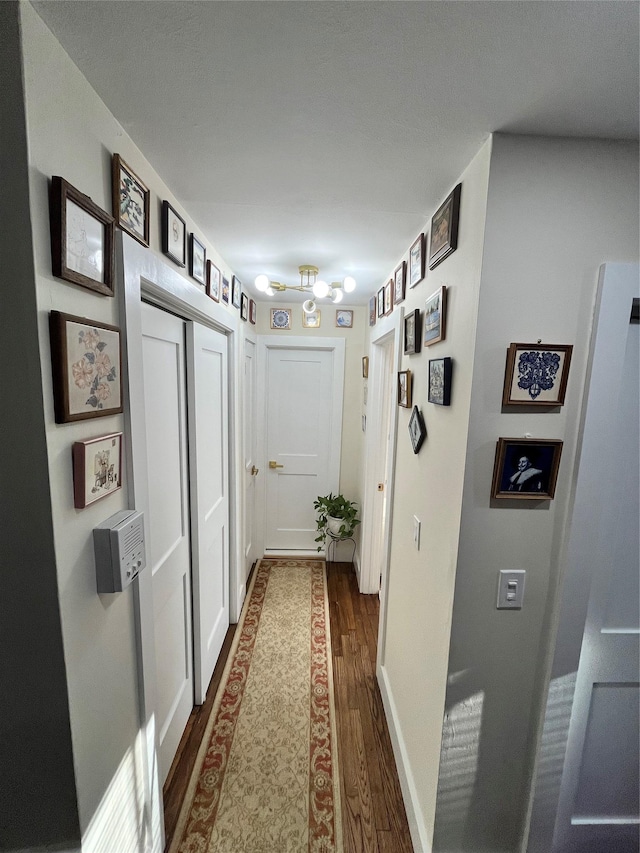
x,y
417,429
236,292
404,389
435,317
225,290
400,283
105,474
440,381
252,312
244,307
443,238
86,368
131,200
197,267
536,374
536,480
412,338
417,260
380,302
388,297
68,231
173,233
214,280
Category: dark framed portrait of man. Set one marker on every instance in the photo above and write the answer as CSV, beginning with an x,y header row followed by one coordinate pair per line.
x,y
526,469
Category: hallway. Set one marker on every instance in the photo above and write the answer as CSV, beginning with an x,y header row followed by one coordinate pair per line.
x,y
373,813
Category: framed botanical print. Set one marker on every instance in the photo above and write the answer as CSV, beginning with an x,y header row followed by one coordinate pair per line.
x,y
174,235
388,297
82,239
97,468
197,260
526,469
281,318
435,316
399,283
252,312
440,381
244,307
86,363
236,291
417,261
444,229
130,200
311,319
344,318
404,388
536,374
372,311
225,290
412,333
213,281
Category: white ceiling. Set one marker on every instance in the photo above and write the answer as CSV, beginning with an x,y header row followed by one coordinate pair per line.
x,y
328,132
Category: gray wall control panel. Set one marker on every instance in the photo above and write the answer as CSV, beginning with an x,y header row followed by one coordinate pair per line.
x,y
119,550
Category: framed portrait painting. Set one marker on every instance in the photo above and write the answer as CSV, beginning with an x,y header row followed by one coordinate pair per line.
x,y
412,333
440,381
213,281
417,429
86,363
435,316
97,468
536,374
399,283
197,260
174,235
443,239
404,389
82,239
526,468
130,200
416,261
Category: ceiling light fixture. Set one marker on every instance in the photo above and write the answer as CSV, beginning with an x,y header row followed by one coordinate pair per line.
x,y
309,283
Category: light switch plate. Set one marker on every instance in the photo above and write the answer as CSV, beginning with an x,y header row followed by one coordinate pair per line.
x,y
511,589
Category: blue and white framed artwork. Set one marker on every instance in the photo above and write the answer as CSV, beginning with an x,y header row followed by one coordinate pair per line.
x,y
536,374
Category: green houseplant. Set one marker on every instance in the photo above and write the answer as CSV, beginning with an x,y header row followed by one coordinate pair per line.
x,y
337,517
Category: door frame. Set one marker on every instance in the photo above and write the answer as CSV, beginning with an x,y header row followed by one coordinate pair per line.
x,y
249,336
142,274
279,342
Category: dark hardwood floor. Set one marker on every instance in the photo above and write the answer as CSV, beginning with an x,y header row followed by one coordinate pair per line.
x,y
373,814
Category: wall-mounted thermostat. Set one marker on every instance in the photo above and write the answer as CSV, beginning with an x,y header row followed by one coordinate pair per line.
x,y
119,550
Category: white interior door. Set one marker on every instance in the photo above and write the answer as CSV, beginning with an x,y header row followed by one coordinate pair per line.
x,y
209,469
303,438
163,350
382,416
251,471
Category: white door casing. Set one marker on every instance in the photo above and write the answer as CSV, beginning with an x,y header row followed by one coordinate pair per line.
x,y
209,469
252,549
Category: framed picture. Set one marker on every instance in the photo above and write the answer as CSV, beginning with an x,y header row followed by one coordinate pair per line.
x,y
435,317
244,307
388,297
526,468
197,259
344,318
82,239
372,311
412,333
252,311
86,363
416,261
281,318
130,200
440,381
417,430
399,283
236,291
444,229
536,374
365,366
213,281
404,389
97,468
380,297
174,235
225,290
311,320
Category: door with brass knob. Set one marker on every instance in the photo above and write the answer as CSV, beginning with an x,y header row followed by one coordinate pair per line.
x,y
254,470
274,464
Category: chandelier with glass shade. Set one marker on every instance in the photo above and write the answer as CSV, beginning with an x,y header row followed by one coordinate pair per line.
x,y
309,283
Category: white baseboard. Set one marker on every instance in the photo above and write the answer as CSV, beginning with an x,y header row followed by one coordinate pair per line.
x,y
415,818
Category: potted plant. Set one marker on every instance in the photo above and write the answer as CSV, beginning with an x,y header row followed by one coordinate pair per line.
x,y
337,517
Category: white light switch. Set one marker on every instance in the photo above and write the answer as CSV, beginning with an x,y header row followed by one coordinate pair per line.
x,y
416,532
510,589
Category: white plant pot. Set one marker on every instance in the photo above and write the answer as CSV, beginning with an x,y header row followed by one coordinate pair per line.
x,y
334,525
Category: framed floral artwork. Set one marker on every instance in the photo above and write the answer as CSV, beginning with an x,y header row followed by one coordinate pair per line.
x,y
197,260
130,200
417,261
412,333
440,381
225,290
536,374
443,239
399,283
526,469
404,389
97,468
281,318
82,239
236,292
252,311
86,362
344,318
213,281
244,307
435,316
174,235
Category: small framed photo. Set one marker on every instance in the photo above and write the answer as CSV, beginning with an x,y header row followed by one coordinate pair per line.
x,y
417,430
174,235
416,261
197,260
444,229
440,381
435,317
281,318
86,363
97,468
365,366
252,312
380,298
130,201
404,389
400,283
225,290
236,291
213,281
388,297
244,307
82,239
311,320
344,318
536,374
526,468
412,333
372,311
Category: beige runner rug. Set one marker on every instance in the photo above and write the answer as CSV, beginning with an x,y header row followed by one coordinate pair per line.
x,y
266,777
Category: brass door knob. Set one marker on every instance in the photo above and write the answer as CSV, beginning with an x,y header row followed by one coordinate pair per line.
x,y
254,470
274,464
